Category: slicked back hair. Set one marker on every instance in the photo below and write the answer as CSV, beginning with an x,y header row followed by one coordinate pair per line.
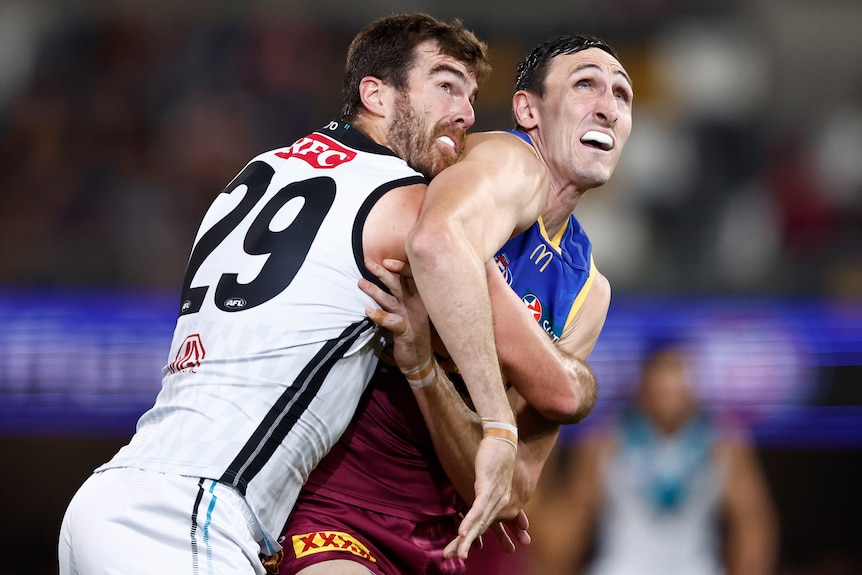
x,y
533,71
386,49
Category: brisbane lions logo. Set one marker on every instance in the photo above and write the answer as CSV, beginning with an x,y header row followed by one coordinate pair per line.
x,y
503,266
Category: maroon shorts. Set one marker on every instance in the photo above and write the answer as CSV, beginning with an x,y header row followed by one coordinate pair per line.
x,y
323,529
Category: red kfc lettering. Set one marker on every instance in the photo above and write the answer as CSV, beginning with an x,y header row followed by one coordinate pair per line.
x,y
319,151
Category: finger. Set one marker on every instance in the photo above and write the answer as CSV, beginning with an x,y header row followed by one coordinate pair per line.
x,y
397,266
471,528
522,537
521,521
464,546
389,279
383,299
391,321
517,529
503,537
451,550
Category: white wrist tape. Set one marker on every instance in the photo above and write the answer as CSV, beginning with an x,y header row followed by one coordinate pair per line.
x,y
501,431
423,376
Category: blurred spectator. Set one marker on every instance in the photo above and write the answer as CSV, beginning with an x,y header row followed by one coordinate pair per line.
x,y
669,488
95,103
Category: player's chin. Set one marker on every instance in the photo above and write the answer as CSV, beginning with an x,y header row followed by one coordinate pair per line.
x,y
442,161
594,176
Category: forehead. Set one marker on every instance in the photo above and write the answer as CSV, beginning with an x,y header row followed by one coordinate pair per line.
x,y
564,65
429,60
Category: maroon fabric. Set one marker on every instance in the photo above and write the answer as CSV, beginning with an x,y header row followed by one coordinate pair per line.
x,y
321,529
385,461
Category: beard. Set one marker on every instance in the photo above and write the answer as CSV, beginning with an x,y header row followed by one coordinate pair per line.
x,y
409,138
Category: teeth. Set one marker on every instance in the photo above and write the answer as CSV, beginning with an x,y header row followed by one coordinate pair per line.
x,y
599,137
446,140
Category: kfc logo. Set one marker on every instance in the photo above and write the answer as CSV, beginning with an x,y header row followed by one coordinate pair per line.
x,y
319,151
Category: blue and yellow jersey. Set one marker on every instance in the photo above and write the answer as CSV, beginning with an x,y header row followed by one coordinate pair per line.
x,y
551,275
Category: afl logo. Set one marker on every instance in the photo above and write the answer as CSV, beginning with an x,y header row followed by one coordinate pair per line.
x,y
534,305
234,304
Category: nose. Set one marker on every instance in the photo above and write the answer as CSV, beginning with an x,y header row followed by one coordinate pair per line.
x,y
606,108
465,116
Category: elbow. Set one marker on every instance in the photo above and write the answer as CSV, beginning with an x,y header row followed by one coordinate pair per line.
x,y
426,247
562,410
571,405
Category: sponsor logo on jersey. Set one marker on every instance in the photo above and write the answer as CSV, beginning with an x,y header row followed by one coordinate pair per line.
x,y
320,541
542,256
189,355
534,305
503,264
319,151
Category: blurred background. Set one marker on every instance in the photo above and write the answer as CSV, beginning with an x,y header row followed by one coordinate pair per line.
x,y
734,219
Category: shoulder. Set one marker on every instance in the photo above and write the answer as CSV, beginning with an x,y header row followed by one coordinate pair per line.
x,y
501,171
389,221
581,334
500,145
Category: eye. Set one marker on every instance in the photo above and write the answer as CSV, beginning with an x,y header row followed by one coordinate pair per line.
x,y
446,87
623,95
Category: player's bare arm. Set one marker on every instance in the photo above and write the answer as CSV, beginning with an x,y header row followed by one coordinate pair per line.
x,y
495,190
554,379
389,222
456,430
470,213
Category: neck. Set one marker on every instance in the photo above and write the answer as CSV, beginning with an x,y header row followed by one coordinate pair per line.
x,y
374,129
561,204
562,199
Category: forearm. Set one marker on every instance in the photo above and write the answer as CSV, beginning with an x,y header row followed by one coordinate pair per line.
x,y
451,278
557,383
752,526
751,551
456,432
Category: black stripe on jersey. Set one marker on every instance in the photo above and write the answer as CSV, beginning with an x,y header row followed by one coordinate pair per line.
x,y
194,537
362,215
290,406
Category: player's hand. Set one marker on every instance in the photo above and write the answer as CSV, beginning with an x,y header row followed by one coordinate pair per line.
x,y
508,533
495,462
403,312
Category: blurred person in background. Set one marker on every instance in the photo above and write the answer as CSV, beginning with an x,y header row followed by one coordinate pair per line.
x,y
667,489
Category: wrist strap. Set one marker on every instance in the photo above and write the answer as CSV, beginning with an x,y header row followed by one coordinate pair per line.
x,y
423,376
501,431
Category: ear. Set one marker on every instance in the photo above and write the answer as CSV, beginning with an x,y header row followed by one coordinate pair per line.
x,y
375,96
524,110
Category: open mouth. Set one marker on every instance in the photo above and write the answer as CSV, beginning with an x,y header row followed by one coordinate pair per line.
x,y
447,141
598,140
